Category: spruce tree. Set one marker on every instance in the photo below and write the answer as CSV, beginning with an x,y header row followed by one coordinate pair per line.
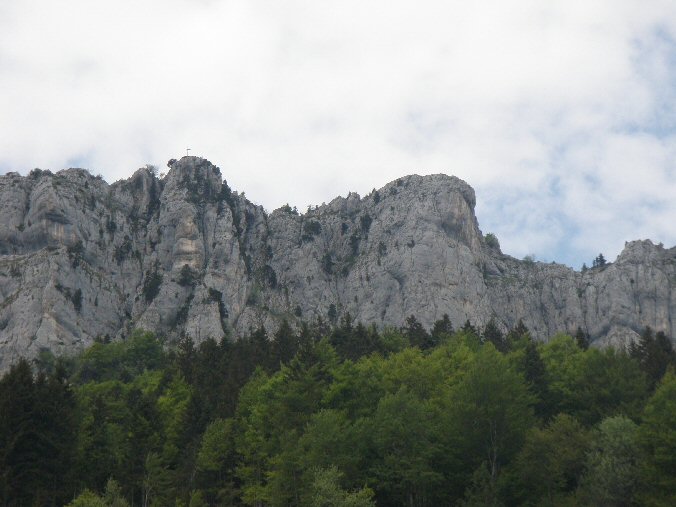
x,y
416,334
655,353
493,335
517,333
441,328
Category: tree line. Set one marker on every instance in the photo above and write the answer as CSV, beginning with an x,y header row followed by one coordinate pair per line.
x,y
347,415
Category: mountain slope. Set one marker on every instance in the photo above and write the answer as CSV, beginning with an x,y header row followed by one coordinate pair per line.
x,y
185,254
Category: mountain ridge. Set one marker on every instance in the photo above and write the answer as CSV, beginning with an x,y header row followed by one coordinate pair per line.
x,y
81,259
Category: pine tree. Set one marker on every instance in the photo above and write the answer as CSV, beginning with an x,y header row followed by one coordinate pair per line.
x,y
517,333
468,328
284,345
442,327
185,357
37,438
493,335
535,375
655,353
416,334
599,262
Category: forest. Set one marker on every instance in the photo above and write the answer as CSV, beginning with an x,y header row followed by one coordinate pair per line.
x,y
343,416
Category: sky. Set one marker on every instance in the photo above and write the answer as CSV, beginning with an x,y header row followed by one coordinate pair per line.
x,y
560,114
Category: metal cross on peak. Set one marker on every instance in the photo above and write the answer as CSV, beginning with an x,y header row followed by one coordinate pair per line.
x,y
187,152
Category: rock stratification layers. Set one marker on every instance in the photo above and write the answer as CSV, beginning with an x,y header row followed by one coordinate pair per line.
x,y
186,255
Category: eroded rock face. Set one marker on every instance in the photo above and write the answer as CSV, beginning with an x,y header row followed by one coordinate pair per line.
x,y
81,259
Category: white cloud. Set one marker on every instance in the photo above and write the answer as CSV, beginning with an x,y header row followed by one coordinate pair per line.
x,y
560,113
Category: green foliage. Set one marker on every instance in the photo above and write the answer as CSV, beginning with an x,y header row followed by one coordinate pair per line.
x,y
111,226
311,228
172,404
77,300
492,241
187,276
332,313
655,354
75,252
327,492
87,499
37,437
592,384
288,209
119,426
269,276
198,186
442,330
530,363
151,283
75,296
391,341
217,447
492,334
550,462
347,415
123,250
275,409
491,411
482,490
254,296
365,222
416,334
582,338
657,437
121,360
113,494
197,500
284,344
216,296
327,264
112,497
611,465
329,440
469,329
353,342
355,240
599,261
157,480
518,334
182,313
403,435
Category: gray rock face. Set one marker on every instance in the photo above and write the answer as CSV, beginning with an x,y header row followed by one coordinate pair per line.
x,y
186,255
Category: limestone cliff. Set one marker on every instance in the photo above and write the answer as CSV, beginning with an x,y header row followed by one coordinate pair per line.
x,y
185,254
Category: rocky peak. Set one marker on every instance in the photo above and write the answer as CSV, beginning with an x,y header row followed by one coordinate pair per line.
x,y
642,251
195,174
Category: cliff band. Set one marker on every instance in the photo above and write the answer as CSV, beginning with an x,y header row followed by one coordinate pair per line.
x,y
186,255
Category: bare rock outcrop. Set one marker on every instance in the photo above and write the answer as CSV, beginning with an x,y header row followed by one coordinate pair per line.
x,y
186,255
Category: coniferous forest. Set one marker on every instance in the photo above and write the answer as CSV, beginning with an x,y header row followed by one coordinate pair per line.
x,y
344,416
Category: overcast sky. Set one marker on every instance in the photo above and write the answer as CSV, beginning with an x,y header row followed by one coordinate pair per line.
x,y
560,114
